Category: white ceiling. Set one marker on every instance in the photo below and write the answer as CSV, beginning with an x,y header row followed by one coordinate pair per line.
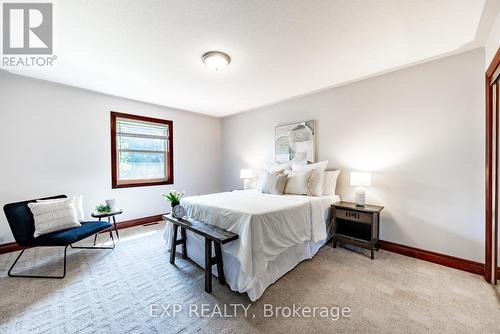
x,y
151,50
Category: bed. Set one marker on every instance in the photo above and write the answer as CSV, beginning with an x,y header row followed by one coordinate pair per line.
x,y
276,232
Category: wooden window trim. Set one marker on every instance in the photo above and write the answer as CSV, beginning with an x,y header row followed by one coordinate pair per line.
x,y
115,183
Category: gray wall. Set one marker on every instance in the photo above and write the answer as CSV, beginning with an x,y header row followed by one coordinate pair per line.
x,y
419,130
54,139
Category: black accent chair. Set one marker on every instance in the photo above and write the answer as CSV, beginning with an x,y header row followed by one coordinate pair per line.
x,y
22,226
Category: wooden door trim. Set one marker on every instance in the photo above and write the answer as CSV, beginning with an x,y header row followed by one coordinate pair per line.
x,y
488,268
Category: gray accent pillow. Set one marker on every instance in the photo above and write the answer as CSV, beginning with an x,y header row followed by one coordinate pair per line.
x,y
274,183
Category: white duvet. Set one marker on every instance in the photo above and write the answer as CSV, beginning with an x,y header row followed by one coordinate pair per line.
x,y
267,225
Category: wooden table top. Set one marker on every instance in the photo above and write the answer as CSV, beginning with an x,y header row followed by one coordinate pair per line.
x,y
353,206
105,214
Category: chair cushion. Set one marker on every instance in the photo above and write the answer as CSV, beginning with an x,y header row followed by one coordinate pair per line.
x,y
67,237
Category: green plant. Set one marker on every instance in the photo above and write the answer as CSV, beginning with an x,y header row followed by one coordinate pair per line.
x,y
103,208
174,196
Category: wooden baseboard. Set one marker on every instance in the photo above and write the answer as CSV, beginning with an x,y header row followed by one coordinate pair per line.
x,y
9,247
438,258
442,259
139,221
12,246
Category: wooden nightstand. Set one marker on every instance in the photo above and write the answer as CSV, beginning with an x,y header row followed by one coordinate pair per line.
x,y
356,225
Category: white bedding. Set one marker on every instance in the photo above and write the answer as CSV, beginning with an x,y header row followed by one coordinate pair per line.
x,y
269,227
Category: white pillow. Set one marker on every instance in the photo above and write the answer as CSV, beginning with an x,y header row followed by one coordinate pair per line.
x,y
80,216
317,178
263,178
331,178
275,183
276,166
297,182
52,216
301,165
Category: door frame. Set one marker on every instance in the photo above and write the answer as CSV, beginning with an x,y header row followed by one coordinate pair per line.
x,y
489,267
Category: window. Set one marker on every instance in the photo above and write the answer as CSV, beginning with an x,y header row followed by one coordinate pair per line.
x,y
141,151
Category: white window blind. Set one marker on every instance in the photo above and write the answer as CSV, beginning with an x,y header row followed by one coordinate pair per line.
x,y
142,149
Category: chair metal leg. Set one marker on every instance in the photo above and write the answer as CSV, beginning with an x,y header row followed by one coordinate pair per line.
x,y
96,247
37,276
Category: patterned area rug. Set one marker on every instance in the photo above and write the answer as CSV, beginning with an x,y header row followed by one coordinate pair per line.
x,y
133,289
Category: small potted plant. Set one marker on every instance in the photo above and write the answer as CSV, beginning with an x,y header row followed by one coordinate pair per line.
x,y
174,197
103,208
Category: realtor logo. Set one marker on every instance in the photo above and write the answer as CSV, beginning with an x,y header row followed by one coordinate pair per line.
x,y
27,28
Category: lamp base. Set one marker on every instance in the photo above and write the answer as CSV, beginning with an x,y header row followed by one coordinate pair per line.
x,y
360,196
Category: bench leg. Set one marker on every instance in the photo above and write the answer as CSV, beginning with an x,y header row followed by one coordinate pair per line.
x,y
220,266
183,236
208,265
172,248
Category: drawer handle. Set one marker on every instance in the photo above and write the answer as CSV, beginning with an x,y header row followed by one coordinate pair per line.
x,y
349,214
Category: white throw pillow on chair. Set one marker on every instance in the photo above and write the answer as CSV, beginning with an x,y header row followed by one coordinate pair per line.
x,y
52,216
80,215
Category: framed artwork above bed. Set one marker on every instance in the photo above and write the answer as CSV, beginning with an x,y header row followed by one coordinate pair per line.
x,y
295,141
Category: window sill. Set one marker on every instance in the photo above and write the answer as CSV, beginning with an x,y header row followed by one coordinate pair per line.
x,y
141,184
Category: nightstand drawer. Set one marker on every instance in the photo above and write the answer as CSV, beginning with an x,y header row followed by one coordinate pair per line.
x,y
355,216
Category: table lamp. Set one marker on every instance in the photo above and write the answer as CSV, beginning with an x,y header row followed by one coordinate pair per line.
x,y
361,180
246,175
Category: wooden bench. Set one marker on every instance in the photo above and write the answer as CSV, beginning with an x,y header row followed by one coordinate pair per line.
x,y
211,234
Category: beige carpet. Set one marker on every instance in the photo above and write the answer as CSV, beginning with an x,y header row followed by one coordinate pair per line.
x,y
112,292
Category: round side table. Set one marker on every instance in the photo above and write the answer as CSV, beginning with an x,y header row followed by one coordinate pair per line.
x,y
109,215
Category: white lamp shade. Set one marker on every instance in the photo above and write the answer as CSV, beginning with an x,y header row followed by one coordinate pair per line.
x,y
246,174
361,179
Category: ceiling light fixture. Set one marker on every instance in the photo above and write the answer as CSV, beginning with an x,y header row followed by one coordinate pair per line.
x,y
216,60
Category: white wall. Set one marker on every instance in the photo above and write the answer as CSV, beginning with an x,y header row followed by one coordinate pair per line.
x,y
55,139
420,130
493,42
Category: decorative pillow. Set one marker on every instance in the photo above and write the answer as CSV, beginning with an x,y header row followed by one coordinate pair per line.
x,y
276,166
298,165
317,178
274,184
80,216
263,176
331,178
297,182
52,216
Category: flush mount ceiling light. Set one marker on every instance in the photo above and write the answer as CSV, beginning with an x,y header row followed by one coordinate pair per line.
x,y
216,60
